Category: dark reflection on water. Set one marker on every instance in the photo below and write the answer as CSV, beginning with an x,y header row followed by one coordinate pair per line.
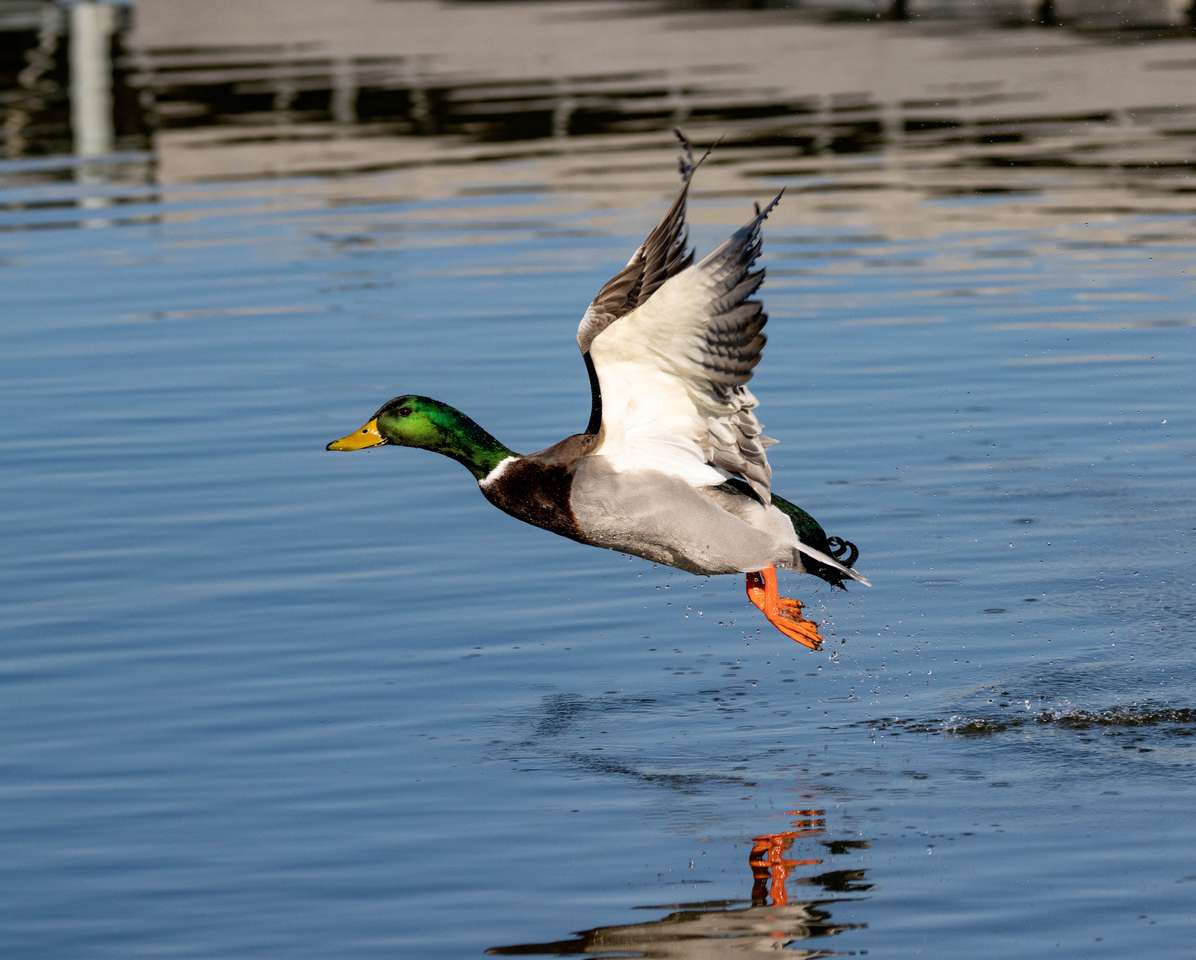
x,y
35,77
1169,720
784,911
255,107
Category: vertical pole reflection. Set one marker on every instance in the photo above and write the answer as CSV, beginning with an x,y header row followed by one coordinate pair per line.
x,y
92,25
343,102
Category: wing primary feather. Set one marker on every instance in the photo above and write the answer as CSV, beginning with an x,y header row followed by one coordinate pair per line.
x,y
686,163
663,254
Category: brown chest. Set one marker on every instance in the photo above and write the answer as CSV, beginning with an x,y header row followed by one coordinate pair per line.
x,y
536,493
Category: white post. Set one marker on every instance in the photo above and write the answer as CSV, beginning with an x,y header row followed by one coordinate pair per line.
x,y
92,26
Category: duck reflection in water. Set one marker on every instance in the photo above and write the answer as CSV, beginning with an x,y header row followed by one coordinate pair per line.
x,y
726,928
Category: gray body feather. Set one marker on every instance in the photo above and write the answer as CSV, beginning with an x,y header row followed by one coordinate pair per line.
x,y
664,519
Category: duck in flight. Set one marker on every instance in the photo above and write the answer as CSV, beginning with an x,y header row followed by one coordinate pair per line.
x,y
671,466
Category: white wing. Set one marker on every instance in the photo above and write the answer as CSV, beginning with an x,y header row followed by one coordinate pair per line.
x,y
672,373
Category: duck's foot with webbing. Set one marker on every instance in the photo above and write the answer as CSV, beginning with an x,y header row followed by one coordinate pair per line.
x,y
784,613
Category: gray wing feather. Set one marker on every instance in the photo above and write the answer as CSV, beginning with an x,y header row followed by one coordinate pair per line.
x,y
729,351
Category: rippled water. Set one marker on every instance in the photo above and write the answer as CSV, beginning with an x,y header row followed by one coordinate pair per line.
x,y
263,701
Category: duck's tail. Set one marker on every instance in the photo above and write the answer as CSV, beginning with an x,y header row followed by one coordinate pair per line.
x,y
827,568
828,558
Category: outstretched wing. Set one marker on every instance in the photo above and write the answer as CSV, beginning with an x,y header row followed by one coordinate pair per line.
x,y
665,253
673,372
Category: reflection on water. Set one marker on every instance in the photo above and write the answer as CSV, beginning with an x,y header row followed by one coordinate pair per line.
x,y
1163,720
1085,124
783,913
67,83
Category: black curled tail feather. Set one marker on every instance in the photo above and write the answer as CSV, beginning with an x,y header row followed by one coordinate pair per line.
x,y
810,532
846,552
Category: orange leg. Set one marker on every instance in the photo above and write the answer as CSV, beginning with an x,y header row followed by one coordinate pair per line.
x,y
784,613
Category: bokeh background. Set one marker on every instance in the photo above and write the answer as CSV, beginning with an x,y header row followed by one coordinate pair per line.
x,y
260,700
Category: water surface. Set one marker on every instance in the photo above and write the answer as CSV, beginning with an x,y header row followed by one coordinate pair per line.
x,y
262,700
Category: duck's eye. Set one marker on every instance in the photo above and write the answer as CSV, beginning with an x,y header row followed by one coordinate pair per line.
x,y
404,411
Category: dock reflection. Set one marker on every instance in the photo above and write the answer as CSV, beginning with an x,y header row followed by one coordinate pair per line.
x,y
369,102
790,908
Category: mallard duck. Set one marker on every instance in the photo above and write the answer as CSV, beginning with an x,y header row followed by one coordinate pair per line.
x,y
671,466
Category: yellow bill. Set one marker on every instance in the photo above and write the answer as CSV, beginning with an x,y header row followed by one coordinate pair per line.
x,y
367,436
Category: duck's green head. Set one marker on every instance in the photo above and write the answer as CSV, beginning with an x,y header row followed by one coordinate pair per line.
x,y
414,421
406,421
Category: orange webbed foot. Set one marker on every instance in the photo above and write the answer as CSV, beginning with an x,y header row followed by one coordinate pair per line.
x,y
784,613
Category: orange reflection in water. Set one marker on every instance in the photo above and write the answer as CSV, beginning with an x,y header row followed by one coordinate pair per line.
x,y
770,866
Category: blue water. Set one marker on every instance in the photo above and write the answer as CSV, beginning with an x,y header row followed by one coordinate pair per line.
x,y
260,700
